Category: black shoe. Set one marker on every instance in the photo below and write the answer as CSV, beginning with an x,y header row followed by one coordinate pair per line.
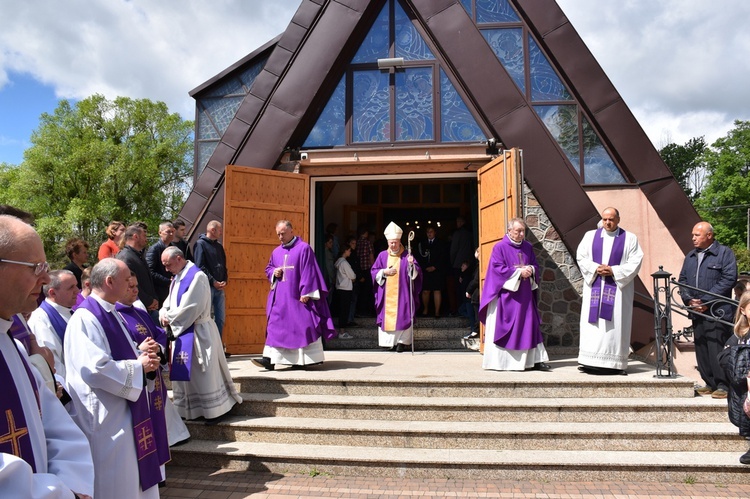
x,y
541,366
264,362
162,484
745,458
400,348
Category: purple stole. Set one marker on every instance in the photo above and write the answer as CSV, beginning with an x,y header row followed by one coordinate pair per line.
x,y
20,332
182,355
140,326
146,447
603,301
14,433
57,321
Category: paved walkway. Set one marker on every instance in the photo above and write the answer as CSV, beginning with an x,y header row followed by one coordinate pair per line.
x,y
224,484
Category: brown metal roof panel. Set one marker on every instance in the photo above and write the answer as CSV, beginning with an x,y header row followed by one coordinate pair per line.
x,y
545,16
355,5
235,133
292,37
278,61
249,109
269,137
264,84
207,181
193,207
430,8
306,13
221,157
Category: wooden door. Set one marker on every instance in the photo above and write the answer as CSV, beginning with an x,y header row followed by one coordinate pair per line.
x,y
255,199
500,195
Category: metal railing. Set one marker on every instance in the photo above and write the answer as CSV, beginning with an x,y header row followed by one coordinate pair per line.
x,y
667,301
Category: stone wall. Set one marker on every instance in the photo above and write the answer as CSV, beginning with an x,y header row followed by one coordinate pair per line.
x,y
561,282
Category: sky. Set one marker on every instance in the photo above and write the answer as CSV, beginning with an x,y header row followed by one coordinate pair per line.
x,y
682,66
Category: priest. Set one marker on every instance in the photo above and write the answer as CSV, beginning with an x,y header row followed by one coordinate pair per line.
x,y
609,259
201,382
107,380
43,453
508,307
397,280
297,311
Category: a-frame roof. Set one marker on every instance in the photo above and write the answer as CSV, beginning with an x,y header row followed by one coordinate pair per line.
x,y
306,63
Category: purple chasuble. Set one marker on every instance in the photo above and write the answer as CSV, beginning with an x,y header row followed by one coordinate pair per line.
x,y
403,318
517,323
291,323
182,354
140,326
143,428
602,303
57,321
14,433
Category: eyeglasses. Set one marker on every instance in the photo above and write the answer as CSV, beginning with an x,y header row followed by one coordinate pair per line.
x,y
38,267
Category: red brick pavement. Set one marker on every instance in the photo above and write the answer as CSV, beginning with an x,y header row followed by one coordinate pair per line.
x,y
227,484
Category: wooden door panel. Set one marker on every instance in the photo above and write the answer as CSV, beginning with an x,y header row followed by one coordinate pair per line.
x,y
255,200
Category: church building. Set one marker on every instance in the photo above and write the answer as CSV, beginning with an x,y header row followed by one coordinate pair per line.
x,y
421,111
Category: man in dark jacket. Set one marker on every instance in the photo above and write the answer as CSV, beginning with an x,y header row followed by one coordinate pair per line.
x,y
132,254
709,267
159,276
211,259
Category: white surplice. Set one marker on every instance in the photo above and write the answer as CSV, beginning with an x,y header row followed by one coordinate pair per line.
x,y
210,392
607,343
46,336
61,451
101,388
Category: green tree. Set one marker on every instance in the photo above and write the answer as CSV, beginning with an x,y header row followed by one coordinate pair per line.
x,y
101,160
726,197
686,164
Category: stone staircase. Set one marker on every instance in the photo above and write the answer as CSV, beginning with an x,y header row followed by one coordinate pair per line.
x,y
439,415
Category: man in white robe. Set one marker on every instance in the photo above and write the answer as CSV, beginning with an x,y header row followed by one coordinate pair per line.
x,y
609,260
103,388
48,322
209,391
46,455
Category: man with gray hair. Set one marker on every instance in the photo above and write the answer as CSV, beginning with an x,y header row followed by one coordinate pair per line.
x,y
40,456
107,380
48,322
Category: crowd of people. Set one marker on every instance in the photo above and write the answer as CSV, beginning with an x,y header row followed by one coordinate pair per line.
x,y
86,411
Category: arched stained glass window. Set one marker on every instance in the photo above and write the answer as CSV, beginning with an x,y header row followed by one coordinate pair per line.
x,y
597,163
409,43
376,44
371,107
330,129
562,123
457,123
496,11
545,84
507,44
414,104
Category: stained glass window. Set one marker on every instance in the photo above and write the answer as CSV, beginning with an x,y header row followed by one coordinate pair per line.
x,y
371,107
409,43
562,122
377,42
205,150
250,74
467,6
232,86
457,123
414,106
545,84
507,44
205,128
222,110
496,11
330,129
598,165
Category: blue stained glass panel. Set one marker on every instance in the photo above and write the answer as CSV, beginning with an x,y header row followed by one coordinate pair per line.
x,y
232,86
545,84
562,122
414,104
409,43
457,123
507,44
370,107
598,165
206,129
250,74
330,129
376,44
496,11
205,150
222,110
467,6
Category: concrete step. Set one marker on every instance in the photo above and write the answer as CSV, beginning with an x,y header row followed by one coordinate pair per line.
x,y
429,334
470,410
542,465
655,437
